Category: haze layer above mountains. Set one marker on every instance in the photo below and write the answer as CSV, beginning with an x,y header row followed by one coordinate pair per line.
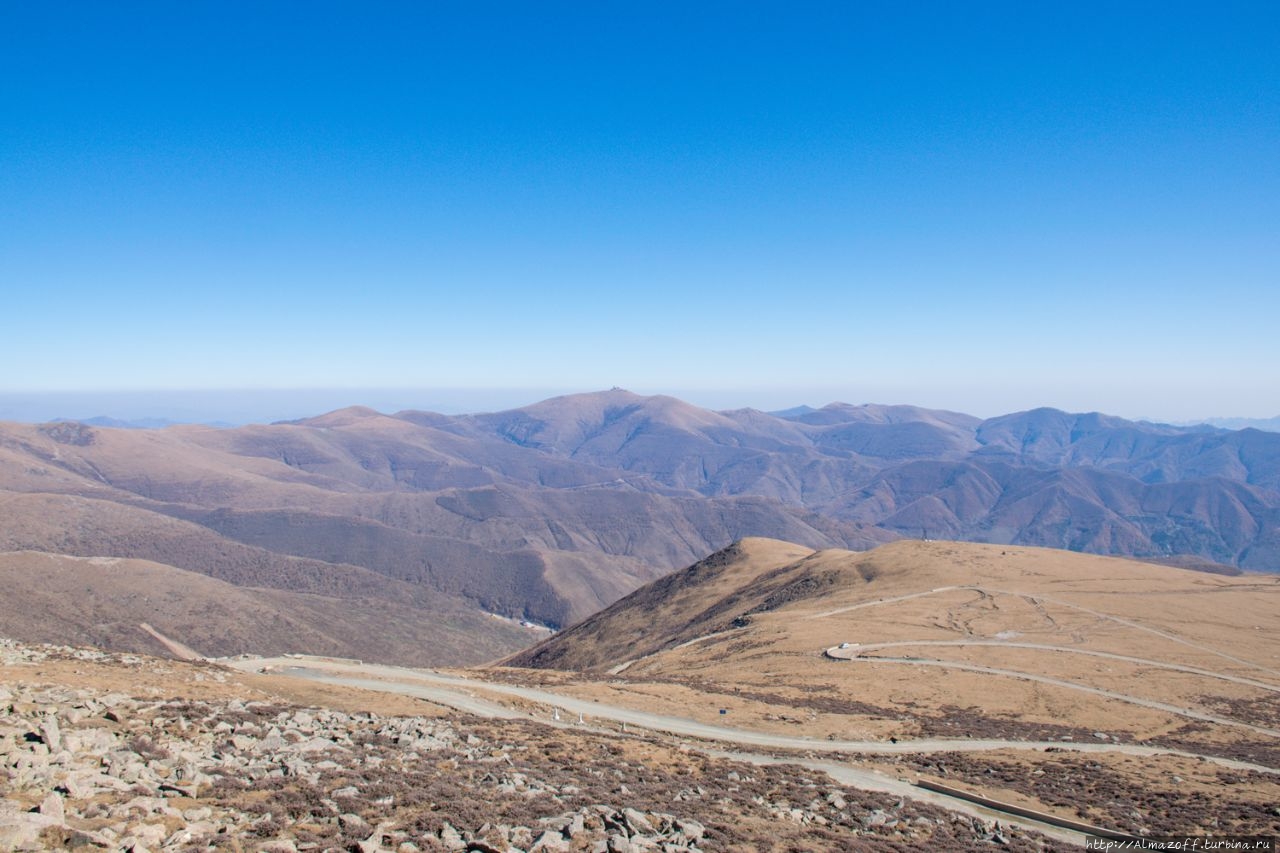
x,y
552,511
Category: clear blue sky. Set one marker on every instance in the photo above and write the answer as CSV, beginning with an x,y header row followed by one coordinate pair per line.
x,y
983,206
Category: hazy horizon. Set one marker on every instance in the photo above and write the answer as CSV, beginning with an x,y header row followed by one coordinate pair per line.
x,y
235,407
984,208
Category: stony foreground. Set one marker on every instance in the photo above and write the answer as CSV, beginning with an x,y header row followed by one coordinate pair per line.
x,y
102,769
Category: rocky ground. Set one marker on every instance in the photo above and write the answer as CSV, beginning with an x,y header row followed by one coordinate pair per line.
x,y
1108,792
95,756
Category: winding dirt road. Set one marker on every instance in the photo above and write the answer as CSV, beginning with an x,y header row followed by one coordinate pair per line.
x,y
1009,644
1036,598
461,694
1058,682
465,694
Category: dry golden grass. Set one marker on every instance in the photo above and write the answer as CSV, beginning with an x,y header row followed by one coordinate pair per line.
x,y
1200,644
1109,624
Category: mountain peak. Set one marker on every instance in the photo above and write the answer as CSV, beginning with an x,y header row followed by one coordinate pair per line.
x,y
339,417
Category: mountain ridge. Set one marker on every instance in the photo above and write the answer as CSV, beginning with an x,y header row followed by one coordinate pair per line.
x,y
553,511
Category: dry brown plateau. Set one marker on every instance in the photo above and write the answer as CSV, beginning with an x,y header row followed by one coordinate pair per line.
x,y
945,640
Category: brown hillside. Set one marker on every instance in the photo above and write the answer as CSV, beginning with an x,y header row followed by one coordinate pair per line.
x,y
939,642
700,600
103,601
797,598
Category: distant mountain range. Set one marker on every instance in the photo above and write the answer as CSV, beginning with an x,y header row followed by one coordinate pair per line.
x,y
1268,424
139,423
552,511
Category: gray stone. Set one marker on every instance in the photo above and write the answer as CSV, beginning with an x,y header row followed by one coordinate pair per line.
x,y
51,733
637,822
451,838
53,808
76,787
22,829
181,836
203,827
169,789
142,839
551,841
352,823
692,830
317,745
279,845
102,780
86,838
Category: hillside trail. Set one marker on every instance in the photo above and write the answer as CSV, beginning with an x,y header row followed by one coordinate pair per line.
x,y
1012,644
1059,682
178,650
461,693
1037,598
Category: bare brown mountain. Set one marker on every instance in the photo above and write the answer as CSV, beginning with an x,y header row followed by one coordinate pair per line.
x,y
111,602
90,527
555,510
355,504
1152,453
1083,482
713,596
763,598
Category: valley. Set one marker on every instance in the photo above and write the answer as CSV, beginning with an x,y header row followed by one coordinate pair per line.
x,y
550,512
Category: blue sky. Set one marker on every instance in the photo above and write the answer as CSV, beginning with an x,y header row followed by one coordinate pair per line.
x,y
981,206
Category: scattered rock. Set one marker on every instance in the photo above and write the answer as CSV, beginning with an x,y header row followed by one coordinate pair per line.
x,y
451,838
52,808
178,774
353,823
51,733
637,823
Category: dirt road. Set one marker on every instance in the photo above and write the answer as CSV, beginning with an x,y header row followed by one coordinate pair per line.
x,y
862,648
456,693
461,693
1058,682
